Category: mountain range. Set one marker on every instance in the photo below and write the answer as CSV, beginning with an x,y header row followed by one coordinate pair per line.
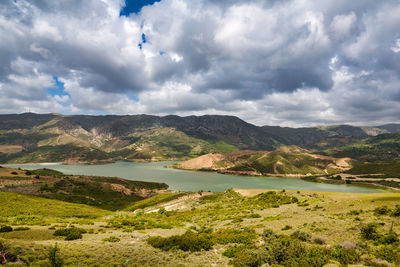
x,y
31,137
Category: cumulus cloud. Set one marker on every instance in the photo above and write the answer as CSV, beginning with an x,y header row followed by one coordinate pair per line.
x,y
289,62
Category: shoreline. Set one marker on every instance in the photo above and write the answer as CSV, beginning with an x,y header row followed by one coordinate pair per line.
x,y
34,164
354,183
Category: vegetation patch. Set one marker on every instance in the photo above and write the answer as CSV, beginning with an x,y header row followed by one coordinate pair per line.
x,y
191,241
70,233
111,239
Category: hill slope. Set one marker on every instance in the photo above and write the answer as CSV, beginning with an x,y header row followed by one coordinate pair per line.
x,y
32,137
109,193
287,160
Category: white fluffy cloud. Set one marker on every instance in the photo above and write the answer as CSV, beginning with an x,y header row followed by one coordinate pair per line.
x,y
291,62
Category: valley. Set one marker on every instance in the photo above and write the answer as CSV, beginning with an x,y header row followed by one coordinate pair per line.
x,y
96,191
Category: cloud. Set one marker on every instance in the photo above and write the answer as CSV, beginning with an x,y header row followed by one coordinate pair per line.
x,y
289,62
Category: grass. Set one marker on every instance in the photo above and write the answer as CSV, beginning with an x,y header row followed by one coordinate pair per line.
x,y
387,169
109,193
20,209
30,235
229,229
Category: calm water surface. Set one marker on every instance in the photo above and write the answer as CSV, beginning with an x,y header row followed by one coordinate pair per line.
x,y
193,180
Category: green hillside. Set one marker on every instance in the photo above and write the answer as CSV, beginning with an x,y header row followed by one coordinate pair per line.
x,y
32,137
18,208
287,160
377,148
110,193
232,228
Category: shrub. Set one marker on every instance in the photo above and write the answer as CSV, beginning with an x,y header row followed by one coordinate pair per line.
x,y
112,239
162,210
369,231
70,233
5,228
381,210
318,240
232,251
301,235
345,256
355,212
286,227
248,257
396,211
189,241
389,253
22,228
389,238
254,215
267,233
73,235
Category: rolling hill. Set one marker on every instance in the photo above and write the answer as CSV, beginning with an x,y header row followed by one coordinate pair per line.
x,y
286,160
30,137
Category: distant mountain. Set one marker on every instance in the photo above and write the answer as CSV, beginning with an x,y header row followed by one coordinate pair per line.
x,y
30,137
391,128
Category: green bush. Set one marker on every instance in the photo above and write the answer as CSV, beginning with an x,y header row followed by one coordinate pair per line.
x,y
112,239
301,235
369,231
345,256
389,238
381,210
11,257
5,228
227,236
162,210
21,228
232,251
391,253
187,242
282,250
71,233
396,211
248,257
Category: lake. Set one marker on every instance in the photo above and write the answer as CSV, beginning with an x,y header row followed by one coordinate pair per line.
x,y
181,180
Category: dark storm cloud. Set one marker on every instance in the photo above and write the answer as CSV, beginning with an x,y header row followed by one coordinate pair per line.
x,y
272,62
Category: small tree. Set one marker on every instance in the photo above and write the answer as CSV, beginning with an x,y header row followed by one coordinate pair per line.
x,y
54,259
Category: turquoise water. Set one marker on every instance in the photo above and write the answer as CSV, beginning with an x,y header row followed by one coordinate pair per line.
x,y
193,180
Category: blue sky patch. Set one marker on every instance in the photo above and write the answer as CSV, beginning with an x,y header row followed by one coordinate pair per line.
x,y
58,89
134,6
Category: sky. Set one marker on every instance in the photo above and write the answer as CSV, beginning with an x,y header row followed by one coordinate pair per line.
x,y
288,62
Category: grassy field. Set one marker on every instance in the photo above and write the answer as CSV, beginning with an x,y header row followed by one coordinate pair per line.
x,y
26,210
236,227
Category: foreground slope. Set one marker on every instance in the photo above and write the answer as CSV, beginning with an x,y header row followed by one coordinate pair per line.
x,y
253,228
